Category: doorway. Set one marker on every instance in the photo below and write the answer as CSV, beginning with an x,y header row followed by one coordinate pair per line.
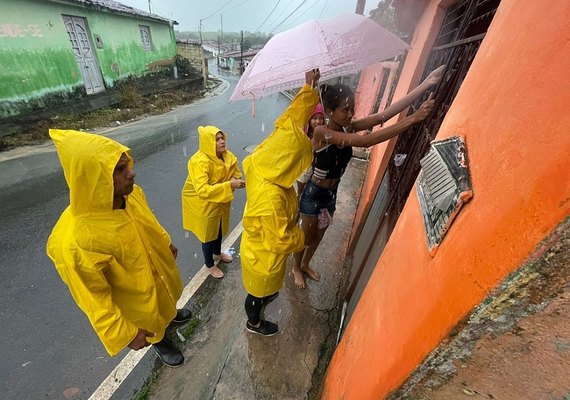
x,y
79,37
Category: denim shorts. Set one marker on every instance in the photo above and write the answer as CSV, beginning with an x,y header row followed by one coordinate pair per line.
x,y
314,198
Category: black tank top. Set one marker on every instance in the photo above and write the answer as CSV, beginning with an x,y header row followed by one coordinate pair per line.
x,y
331,161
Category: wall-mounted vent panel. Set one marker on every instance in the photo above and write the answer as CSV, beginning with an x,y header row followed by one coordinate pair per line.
x,y
443,187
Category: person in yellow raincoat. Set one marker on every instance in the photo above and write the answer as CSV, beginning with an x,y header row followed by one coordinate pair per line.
x,y
213,175
109,249
269,220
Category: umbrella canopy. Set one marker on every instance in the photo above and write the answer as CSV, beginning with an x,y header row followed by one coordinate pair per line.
x,y
340,46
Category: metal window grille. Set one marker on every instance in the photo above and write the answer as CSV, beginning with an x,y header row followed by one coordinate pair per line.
x,y
443,187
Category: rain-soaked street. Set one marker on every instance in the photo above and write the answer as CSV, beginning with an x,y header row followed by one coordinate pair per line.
x,y
49,349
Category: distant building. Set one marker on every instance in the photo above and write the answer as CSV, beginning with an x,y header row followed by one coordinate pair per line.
x,y
213,49
231,60
54,51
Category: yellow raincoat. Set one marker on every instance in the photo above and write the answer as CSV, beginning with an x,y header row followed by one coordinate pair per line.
x,y
207,193
270,232
116,263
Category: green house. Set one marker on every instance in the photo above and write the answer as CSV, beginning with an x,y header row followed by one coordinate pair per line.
x,y
52,51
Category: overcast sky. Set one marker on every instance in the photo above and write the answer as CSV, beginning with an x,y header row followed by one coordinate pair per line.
x,y
269,16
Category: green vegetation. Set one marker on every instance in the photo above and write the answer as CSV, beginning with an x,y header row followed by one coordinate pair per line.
x,y
190,328
145,391
385,15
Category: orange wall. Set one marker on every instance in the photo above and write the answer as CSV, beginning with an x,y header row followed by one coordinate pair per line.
x,y
512,110
367,91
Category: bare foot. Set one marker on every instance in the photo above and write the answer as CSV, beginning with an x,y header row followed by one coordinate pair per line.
x,y
299,278
314,275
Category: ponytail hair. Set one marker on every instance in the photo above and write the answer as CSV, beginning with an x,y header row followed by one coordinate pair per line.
x,y
332,95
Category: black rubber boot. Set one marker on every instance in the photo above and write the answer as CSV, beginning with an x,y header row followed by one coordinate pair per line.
x,y
168,353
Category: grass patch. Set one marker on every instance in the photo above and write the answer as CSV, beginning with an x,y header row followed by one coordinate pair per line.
x,y
129,94
190,328
146,390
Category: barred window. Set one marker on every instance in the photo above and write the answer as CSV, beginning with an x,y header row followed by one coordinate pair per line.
x,y
146,39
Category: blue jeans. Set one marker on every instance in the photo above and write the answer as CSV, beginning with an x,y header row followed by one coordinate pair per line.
x,y
211,248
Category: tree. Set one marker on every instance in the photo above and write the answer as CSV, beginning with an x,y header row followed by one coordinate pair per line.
x,y
385,15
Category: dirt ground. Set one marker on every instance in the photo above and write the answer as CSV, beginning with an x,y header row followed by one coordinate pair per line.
x,y
515,345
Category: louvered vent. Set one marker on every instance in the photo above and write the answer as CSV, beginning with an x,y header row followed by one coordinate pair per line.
x,y
443,186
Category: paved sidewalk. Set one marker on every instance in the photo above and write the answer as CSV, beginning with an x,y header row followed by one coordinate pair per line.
x,y
224,361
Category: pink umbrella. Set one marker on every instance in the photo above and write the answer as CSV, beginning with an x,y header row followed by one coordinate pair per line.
x,y
340,46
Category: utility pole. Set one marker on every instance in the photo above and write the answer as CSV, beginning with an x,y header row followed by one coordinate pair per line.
x,y
360,4
218,57
222,25
200,30
241,55
149,10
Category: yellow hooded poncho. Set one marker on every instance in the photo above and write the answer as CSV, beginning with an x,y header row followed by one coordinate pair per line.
x,y
207,193
116,263
270,232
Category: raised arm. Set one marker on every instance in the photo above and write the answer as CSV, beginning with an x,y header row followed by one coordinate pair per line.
x,y
324,135
395,108
304,102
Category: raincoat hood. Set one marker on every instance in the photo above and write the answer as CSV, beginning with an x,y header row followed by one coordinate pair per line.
x,y
207,140
318,110
285,154
88,161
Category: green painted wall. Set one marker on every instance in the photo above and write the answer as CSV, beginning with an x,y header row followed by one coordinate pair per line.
x,y
37,63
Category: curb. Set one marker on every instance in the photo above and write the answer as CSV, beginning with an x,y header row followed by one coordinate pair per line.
x,y
132,361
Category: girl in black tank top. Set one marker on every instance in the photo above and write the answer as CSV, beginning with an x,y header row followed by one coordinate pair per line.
x,y
332,144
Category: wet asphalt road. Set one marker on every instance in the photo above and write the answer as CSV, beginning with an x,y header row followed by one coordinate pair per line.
x,y
48,348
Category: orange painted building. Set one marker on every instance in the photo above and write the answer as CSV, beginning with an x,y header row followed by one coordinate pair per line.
x,y
510,105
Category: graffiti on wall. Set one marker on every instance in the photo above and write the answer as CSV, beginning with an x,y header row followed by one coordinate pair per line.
x,y
16,30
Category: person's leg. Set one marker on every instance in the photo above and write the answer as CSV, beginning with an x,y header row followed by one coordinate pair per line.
x,y
309,212
218,242
309,252
208,250
218,255
253,309
255,324
327,203
308,224
268,299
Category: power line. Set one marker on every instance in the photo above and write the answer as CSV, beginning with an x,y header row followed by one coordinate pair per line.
x,y
288,16
277,18
236,6
218,10
257,30
324,8
300,15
